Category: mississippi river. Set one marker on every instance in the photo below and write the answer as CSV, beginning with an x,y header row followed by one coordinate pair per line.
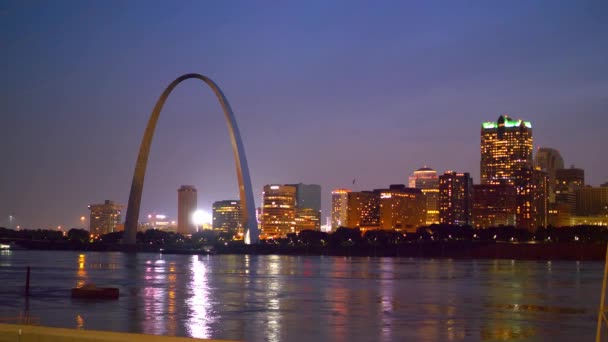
x,y
307,298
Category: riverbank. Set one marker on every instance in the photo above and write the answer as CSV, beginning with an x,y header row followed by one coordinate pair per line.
x,y
422,249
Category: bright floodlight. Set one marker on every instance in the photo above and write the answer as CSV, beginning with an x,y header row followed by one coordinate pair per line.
x,y
201,217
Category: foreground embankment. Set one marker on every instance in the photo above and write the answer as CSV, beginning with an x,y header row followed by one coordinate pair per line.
x,y
422,249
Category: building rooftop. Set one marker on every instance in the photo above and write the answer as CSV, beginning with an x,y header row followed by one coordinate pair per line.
x,y
508,122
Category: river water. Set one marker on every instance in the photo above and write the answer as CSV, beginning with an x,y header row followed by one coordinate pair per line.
x,y
308,298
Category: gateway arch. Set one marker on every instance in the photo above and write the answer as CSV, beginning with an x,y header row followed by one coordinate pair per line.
x,y
242,170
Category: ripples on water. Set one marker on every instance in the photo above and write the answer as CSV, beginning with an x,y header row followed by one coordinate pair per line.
x,y
285,298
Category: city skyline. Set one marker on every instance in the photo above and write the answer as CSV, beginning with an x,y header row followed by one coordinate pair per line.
x,y
70,135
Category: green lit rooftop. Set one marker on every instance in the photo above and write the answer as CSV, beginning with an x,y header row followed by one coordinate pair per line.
x,y
509,123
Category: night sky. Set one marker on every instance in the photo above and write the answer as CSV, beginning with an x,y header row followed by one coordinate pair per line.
x,y
323,92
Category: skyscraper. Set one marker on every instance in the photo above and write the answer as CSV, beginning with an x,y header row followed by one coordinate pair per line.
x,y
506,146
104,218
278,210
186,206
532,206
339,208
426,179
308,206
227,216
455,198
549,160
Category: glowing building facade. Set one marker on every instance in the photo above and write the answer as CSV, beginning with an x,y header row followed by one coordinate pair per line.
x,y
532,206
104,218
227,216
427,180
506,147
278,210
339,208
455,198
362,209
402,209
186,206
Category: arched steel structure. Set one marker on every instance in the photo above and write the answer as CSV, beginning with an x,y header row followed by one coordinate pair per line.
x,y
242,170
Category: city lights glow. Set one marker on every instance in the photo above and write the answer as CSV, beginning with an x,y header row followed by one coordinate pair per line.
x,y
201,217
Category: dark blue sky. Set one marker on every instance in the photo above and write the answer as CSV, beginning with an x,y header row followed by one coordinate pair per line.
x,y
323,91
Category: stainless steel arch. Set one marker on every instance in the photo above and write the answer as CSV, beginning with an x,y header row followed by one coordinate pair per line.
x,y
242,170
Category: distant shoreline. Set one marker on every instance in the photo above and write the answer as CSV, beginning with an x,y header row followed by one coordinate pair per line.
x,y
449,249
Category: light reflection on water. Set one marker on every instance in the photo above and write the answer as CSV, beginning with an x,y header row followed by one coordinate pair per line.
x,y
282,298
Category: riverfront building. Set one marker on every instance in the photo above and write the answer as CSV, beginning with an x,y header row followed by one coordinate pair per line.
x,y
186,206
308,206
455,198
532,206
506,146
549,160
227,216
104,218
339,208
427,180
278,210
494,205
402,209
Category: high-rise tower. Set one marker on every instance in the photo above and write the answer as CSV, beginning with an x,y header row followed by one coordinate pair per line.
x,y
549,160
427,180
186,206
506,147
455,198
339,208
279,210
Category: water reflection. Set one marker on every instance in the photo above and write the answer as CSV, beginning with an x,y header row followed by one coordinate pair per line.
x,y
81,274
386,298
154,297
273,269
200,311
79,322
280,298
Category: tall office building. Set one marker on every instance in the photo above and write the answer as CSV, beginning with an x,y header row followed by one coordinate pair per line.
x,y
308,206
494,205
278,210
549,160
339,208
186,206
104,218
401,208
532,206
227,216
506,146
427,180
455,198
